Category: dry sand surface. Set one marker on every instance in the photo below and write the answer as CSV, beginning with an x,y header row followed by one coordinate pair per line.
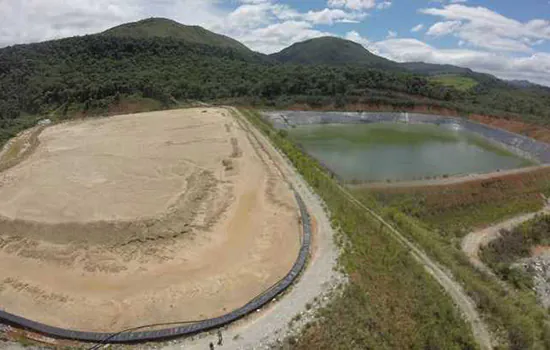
x,y
157,217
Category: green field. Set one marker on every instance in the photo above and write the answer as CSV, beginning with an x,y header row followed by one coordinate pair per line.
x,y
455,81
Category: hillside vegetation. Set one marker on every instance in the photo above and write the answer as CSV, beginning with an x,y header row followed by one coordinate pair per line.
x,y
332,51
160,63
453,210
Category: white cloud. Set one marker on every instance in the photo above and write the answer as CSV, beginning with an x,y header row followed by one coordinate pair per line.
x,y
490,30
330,16
534,67
417,28
444,28
33,20
391,34
280,35
353,4
24,21
268,26
384,5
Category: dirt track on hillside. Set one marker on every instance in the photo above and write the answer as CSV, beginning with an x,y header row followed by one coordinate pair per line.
x,y
156,217
472,242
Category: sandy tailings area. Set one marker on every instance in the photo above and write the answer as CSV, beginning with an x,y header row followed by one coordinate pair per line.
x,y
157,217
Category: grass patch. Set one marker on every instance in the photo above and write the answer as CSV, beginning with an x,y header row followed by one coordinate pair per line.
x,y
455,209
455,81
390,301
13,151
516,317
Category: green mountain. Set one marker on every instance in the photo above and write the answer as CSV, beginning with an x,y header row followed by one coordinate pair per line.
x,y
332,51
166,28
159,63
336,51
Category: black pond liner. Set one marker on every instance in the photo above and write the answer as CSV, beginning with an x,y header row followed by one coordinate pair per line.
x,y
188,328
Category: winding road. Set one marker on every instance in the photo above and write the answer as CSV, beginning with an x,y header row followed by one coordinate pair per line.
x,y
472,242
272,323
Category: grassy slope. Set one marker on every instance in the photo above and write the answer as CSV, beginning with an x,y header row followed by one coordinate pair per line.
x,y
458,82
454,210
435,216
390,302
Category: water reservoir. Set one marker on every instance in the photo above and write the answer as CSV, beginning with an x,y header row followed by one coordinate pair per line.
x,y
402,151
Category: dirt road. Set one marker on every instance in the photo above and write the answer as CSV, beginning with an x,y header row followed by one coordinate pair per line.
x,y
272,324
271,321
452,287
473,241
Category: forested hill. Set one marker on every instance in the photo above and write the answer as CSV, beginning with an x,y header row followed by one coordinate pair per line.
x,y
332,51
115,72
166,28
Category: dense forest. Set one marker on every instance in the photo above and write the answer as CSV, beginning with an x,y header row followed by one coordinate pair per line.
x,y
85,75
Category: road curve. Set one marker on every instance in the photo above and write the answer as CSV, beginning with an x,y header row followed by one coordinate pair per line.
x,y
472,242
453,288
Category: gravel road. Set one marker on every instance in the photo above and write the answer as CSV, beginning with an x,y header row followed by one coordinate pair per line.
x,y
444,278
271,324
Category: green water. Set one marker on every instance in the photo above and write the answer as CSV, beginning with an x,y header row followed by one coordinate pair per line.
x,y
382,151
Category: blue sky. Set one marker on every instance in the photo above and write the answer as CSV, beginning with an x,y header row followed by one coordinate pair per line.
x,y
403,15
507,38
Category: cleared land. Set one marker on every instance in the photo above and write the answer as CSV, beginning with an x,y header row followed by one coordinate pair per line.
x,y
156,217
455,81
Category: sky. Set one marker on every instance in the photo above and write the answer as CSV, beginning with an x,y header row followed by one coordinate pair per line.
x,y
506,38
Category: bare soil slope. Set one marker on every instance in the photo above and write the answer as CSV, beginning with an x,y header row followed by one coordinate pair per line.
x,y
156,217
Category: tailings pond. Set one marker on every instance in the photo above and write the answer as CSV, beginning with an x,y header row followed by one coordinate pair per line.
x,y
401,151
